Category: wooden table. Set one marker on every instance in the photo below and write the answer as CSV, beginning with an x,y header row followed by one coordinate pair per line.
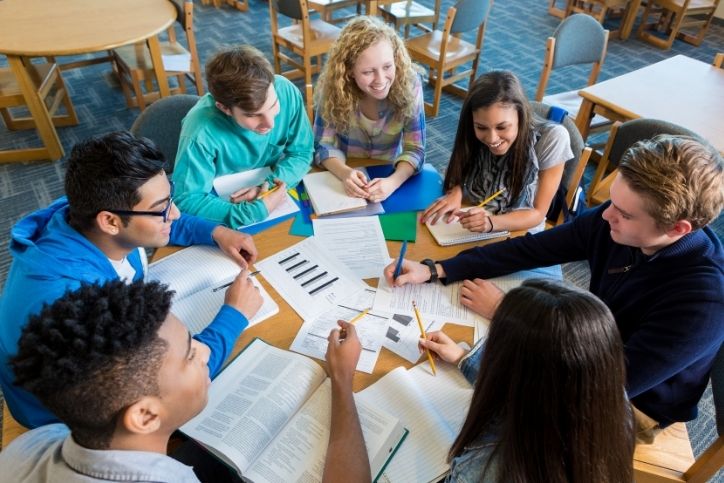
x,y
48,28
281,329
680,90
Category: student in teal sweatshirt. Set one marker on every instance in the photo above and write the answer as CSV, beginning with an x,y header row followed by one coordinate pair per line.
x,y
250,119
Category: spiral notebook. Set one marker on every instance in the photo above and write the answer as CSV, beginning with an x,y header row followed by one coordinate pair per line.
x,y
446,234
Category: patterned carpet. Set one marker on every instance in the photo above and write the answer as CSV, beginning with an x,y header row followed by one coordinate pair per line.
x,y
515,40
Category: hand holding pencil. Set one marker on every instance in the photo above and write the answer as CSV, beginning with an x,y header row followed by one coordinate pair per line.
x,y
424,336
478,219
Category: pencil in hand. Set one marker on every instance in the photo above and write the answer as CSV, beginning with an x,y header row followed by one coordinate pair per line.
x,y
227,284
491,198
267,192
424,336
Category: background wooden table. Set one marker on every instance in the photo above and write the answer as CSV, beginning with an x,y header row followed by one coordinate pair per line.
x,y
680,90
48,28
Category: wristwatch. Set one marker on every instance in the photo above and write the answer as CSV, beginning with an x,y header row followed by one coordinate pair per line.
x,y
433,271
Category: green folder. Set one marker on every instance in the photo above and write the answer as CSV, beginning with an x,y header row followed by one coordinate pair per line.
x,y
399,226
395,226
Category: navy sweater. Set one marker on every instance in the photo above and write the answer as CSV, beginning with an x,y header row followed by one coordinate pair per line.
x,y
669,307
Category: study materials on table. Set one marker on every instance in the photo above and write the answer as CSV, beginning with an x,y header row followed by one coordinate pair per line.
x,y
357,242
403,334
432,408
311,340
326,192
399,226
454,233
194,273
435,301
415,194
228,184
309,278
269,416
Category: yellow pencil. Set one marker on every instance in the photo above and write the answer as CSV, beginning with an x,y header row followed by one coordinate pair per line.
x,y
359,316
422,333
490,198
267,192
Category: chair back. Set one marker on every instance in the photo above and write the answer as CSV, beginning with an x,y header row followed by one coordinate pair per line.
x,y
636,130
717,388
580,39
469,15
289,8
161,123
577,143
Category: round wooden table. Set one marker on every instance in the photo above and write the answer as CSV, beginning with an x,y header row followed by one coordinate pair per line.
x,y
49,28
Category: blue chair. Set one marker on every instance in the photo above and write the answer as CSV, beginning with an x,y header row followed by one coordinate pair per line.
x,y
578,40
161,123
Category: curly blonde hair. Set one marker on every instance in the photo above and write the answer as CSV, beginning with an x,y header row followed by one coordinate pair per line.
x,y
337,95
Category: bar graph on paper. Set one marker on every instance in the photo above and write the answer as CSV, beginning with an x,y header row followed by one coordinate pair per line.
x,y
308,278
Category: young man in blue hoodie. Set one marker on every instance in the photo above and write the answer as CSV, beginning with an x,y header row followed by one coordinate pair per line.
x,y
654,262
119,201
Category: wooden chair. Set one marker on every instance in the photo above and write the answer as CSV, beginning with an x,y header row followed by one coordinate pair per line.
x,y
306,39
598,9
241,5
326,9
670,459
719,60
578,40
444,51
161,123
622,137
573,171
673,17
409,13
133,65
11,428
48,82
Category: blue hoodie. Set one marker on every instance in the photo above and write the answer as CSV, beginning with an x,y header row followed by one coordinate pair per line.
x,y
50,258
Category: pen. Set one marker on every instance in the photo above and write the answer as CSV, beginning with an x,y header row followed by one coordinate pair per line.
x,y
490,198
229,283
267,192
423,335
398,267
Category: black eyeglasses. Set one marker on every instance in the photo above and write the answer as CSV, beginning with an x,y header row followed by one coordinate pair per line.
x,y
164,213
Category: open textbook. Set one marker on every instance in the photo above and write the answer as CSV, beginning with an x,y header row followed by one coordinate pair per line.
x,y
194,273
269,414
326,192
432,408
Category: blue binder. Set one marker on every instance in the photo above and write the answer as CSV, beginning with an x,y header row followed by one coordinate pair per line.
x,y
415,194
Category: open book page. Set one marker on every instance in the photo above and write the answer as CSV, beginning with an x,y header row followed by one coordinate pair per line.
x,y
193,273
309,278
326,192
435,301
311,340
432,408
299,452
358,243
228,184
251,401
198,310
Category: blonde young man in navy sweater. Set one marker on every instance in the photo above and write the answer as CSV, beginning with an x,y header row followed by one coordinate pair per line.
x,y
653,260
